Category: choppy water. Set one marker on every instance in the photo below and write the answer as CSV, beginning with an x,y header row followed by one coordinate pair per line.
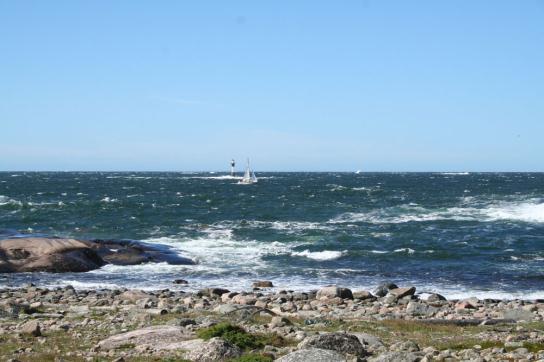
x,y
456,233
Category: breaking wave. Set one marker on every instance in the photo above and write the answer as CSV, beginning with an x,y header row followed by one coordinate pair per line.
x,y
320,255
529,211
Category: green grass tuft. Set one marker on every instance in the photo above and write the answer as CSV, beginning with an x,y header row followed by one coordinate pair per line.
x,y
252,358
231,333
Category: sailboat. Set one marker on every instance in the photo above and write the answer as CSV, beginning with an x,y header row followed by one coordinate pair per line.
x,y
249,176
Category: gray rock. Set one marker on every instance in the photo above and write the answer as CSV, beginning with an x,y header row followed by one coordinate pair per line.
x,y
278,321
226,308
382,289
155,337
435,298
339,342
370,342
31,328
519,314
312,355
402,292
332,291
396,357
216,349
420,309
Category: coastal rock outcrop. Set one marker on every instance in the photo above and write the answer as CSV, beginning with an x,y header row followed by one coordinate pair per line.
x,y
57,255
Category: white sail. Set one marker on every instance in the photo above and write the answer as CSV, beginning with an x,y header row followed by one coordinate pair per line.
x,y
249,176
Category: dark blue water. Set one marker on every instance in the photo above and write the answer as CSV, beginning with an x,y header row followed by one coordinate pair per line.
x,y
459,234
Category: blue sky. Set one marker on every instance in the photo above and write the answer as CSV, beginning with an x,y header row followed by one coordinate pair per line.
x,y
305,85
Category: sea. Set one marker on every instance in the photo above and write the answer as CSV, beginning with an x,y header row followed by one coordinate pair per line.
x,y
458,234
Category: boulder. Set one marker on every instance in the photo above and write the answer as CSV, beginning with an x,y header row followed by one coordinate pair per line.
x,y
213,292
216,349
420,309
56,255
31,328
162,337
519,314
470,303
332,291
339,342
312,355
382,289
263,284
370,343
433,298
402,292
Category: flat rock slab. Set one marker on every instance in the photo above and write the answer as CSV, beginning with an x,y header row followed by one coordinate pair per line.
x,y
56,255
312,355
164,337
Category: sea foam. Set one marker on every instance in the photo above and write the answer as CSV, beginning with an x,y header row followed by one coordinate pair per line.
x,y
320,255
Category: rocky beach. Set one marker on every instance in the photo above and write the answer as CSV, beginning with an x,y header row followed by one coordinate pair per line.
x,y
303,268
390,323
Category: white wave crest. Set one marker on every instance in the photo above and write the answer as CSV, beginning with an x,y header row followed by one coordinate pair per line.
x,y
405,250
320,255
4,200
531,211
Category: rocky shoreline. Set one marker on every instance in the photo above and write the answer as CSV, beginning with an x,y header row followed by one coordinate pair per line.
x,y
334,323
60,255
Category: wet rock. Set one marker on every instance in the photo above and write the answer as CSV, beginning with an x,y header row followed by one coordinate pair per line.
x,y
339,342
332,291
313,355
382,289
402,292
263,284
433,298
180,281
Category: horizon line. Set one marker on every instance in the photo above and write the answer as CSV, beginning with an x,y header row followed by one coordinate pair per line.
x,y
264,171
